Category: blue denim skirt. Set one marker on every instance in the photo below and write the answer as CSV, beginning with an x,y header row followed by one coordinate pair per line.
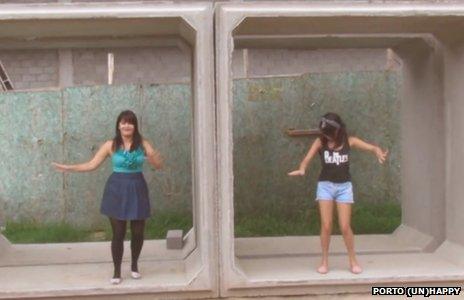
x,y
126,197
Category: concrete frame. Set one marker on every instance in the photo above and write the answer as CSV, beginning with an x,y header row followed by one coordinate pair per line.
x,y
423,35
429,245
165,23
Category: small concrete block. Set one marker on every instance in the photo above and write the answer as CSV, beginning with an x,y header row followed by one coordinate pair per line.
x,y
174,239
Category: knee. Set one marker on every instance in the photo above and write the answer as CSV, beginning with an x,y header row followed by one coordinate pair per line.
x,y
345,229
118,237
326,227
137,234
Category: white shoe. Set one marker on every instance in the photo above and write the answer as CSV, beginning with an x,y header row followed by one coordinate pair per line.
x,y
136,275
115,281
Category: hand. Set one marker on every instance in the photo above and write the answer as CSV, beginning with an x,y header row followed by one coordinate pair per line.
x,y
381,155
156,160
157,155
298,172
60,167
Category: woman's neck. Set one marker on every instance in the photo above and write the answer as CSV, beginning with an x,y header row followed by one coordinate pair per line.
x,y
127,140
332,145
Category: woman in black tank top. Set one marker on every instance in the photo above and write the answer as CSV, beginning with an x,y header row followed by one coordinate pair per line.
x,y
334,184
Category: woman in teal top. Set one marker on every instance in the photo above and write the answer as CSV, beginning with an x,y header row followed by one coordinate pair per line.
x,y
125,197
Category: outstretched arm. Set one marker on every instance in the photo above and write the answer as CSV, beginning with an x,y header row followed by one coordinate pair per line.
x,y
153,156
91,165
309,156
360,144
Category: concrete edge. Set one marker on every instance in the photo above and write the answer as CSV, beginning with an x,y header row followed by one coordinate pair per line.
x,y
4,245
413,237
452,252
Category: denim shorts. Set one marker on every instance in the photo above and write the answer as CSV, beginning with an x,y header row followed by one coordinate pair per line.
x,y
340,192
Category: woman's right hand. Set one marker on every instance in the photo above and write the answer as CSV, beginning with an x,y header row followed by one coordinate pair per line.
x,y
298,172
60,167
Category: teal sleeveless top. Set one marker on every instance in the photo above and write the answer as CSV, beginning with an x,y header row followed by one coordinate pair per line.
x,y
128,162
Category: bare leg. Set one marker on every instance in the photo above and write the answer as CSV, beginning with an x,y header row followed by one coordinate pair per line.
x,y
326,212
344,220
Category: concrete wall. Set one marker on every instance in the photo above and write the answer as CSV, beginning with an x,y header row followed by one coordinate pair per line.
x,y
423,171
30,69
45,68
454,96
252,63
132,65
146,65
35,68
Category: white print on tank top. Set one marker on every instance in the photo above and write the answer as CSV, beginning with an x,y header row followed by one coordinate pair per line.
x,y
336,158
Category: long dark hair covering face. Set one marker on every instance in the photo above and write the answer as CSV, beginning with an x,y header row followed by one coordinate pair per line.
x,y
338,134
129,117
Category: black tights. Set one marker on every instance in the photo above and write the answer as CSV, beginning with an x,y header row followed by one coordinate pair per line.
x,y
117,243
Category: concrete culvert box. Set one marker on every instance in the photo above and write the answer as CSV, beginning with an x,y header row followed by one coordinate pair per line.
x,y
428,245
80,35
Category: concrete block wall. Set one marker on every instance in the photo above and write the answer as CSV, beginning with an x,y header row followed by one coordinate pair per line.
x,y
132,65
39,69
253,63
30,69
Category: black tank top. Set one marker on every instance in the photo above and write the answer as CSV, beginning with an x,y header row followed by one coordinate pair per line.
x,y
335,164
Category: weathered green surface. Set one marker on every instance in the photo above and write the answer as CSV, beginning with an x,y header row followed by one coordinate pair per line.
x,y
69,126
89,120
30,126
166,122
263,154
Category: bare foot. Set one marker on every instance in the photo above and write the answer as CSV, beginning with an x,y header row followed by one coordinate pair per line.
x,y
356,269
323,269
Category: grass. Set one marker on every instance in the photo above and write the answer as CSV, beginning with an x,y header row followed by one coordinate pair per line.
x,y
61,232
30,232
367,219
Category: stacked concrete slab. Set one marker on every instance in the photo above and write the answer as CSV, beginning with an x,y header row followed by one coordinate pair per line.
x,y
428,248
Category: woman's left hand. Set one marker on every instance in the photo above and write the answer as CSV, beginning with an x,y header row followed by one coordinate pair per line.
x,y
381,155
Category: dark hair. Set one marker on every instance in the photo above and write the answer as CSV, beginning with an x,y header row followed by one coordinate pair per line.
x,y
332,125
129,117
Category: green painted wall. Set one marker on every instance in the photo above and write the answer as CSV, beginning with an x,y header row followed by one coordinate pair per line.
x,y
69,126
263,154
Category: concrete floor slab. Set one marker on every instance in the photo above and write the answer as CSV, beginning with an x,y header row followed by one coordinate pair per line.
x,y
378,268
310,245
69,253
88,279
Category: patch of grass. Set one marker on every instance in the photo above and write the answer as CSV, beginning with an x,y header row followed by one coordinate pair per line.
x,y
376,218
158,226
60,232
31,232
367,218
